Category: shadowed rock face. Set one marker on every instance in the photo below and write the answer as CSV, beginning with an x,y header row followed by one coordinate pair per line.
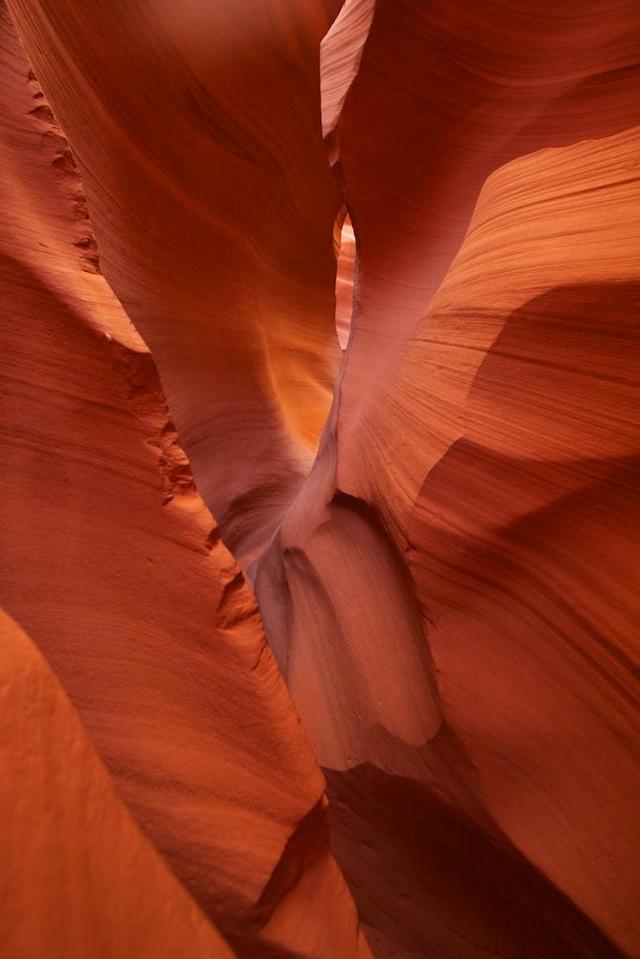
x,y
432,862
115,568
440,523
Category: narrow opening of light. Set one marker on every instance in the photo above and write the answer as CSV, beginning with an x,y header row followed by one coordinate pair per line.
x,y
346,255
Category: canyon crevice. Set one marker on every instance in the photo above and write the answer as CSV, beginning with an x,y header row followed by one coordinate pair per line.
x,y
320,493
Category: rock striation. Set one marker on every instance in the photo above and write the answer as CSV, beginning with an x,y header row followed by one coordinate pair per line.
x,y
115,568
69,888
363,284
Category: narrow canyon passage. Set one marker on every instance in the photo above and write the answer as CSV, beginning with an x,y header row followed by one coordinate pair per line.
x,y
345,275
320,471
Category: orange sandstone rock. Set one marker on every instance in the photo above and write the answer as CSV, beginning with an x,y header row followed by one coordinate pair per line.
x,y
70,889
198,136
440,524
115,567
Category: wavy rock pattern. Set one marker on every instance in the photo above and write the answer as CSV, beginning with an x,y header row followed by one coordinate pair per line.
x,y
440,523
115,567
125,900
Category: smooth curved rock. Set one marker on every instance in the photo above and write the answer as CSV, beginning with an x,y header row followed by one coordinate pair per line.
x,y
197,134
340,55
115,567
488,411
68,889
441,525
444,97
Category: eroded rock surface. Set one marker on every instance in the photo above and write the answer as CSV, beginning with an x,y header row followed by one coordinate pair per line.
x,y
440,523
115,568
125,900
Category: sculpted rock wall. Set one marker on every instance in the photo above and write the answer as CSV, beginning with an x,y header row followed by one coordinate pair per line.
x,y
109,894
115,567
499,443
440,525
197,133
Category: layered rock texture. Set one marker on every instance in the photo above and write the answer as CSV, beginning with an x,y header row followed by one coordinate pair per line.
x,y
363,284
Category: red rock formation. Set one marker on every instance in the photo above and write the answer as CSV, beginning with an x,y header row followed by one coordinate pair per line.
x,y
199,143
340,55
498,444
441,527
115,567
69,888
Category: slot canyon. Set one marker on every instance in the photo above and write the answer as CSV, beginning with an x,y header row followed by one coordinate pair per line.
x,y
320,472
